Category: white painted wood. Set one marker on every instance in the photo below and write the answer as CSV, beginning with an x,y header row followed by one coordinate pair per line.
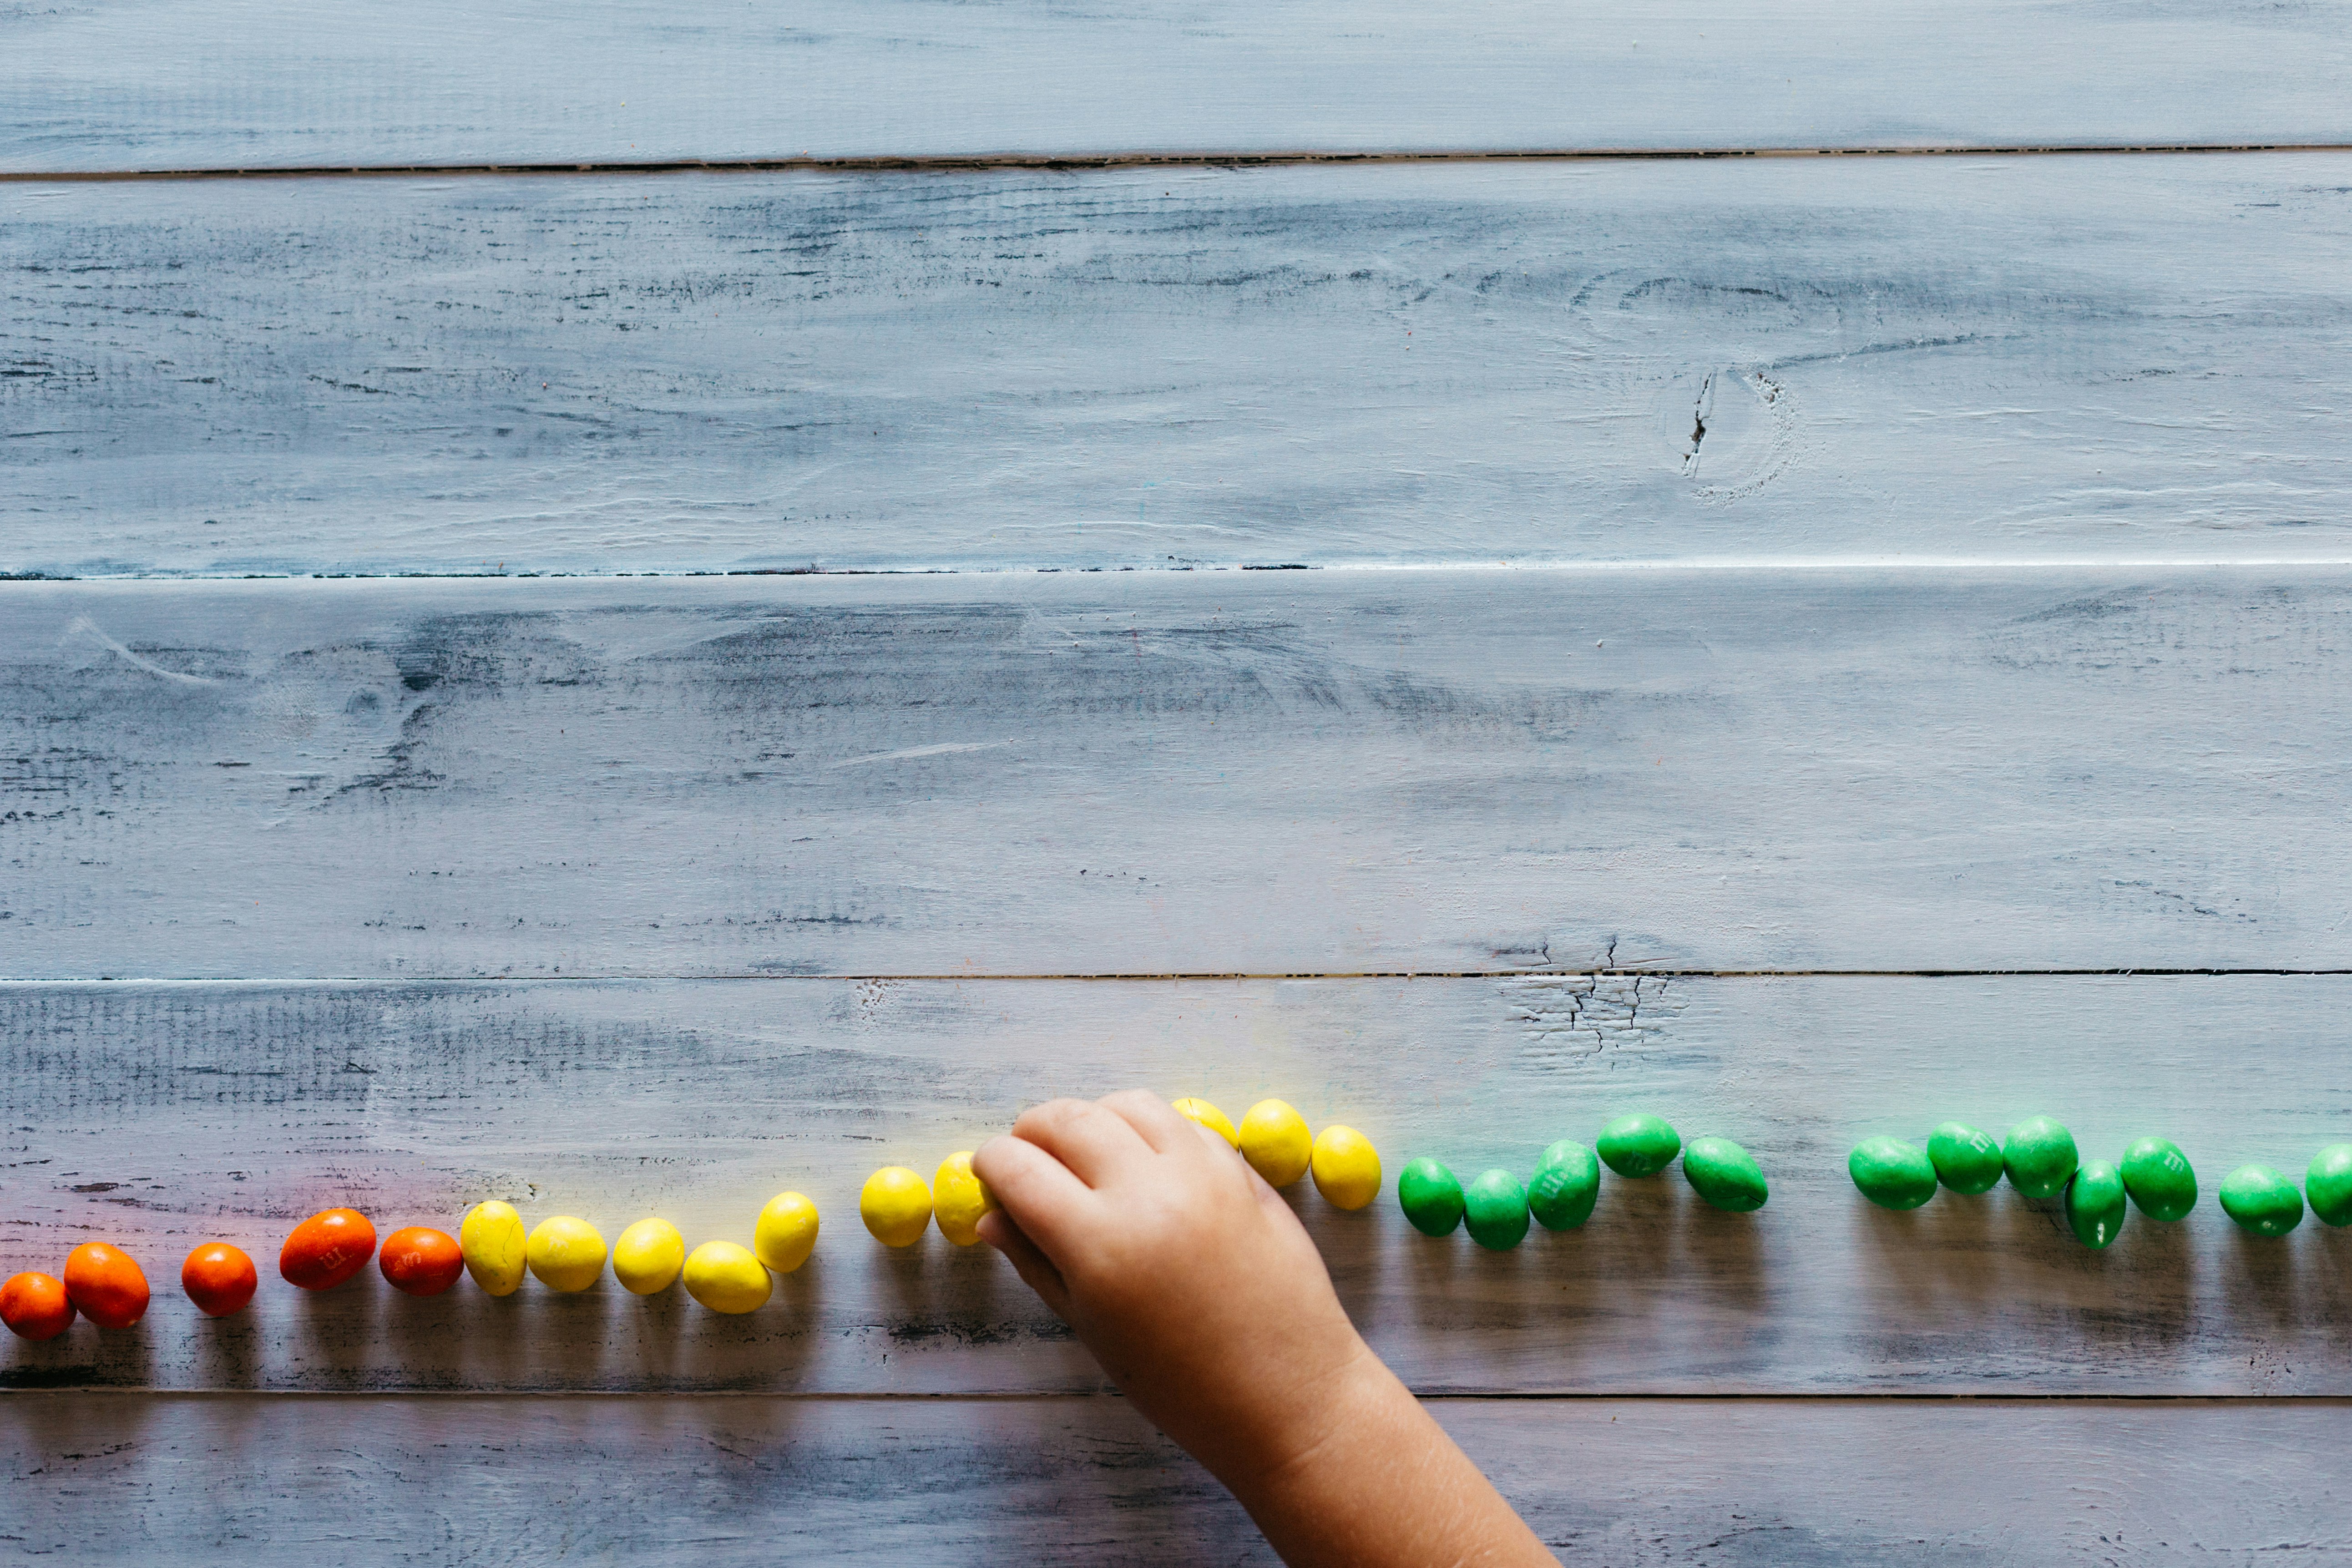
x,y
259,83
1155,773
2117,358
720,1481
159,1117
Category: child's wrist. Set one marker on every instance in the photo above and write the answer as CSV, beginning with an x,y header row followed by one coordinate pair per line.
x,y
1322,1432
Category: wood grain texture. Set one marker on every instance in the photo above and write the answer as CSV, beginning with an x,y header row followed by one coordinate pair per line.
x,y
257,83
159,1117
724,1481
2137,358
1170,773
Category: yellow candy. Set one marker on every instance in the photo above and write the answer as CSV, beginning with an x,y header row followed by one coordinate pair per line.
x,y
648,1257
725,1278
895,1205
1210,1117
491,1242
1274,1142
960,1198
785,1233
1347,1167
566,1254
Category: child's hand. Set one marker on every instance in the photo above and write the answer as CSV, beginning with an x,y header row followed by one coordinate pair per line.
x,y
1204,1300
1186,1276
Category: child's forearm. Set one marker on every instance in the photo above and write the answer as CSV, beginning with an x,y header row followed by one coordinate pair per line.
x,y
1378,1484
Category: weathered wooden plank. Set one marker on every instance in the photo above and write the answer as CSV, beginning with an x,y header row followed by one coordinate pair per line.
x,y
1995,360
162,1116
1168,774
1806,1485
258,83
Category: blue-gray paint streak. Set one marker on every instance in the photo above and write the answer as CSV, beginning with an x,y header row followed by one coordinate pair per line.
x,y
1198,773
1919,360
257,83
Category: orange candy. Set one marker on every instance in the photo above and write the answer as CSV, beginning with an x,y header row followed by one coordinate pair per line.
x,y
421,1261
219,1279
35,1306
327,1250
109,1289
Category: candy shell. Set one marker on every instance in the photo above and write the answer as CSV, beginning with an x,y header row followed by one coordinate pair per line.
x,y
1567,1181
1347,1167
1274,1140
2158,1176
2038,1156
2255,1195
35,1306
725,1278
959,1197
494,1245
219,1279
1494,1210
1966,1161
2328,1185
895,1205
1638,1145
1210,1117
418,1261
647,1257
1431,1197
106,1285
1891,1174
2094,1203
785,1233
327,1250
1725,1174
565,1253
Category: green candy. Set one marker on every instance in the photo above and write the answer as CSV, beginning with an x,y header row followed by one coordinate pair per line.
x,y
2094,1204
1965,1160
2039,1157
1639,1145
2158,1176
2328,1185
1496,1210
1567,1180
2262,1200
1891,1174
1430,1197
1725,1174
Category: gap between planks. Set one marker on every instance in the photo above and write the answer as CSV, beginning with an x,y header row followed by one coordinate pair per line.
x,y
985,161
1750,1401
1746,565
1176,977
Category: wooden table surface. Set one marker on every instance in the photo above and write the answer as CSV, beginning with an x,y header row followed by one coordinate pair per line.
x,y
1162,545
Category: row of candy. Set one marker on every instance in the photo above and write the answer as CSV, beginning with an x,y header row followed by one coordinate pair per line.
x,y
567,1254
2041,1161
107,1286
1496,1208
564,1253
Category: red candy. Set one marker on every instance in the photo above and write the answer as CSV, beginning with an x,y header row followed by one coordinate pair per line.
x,y
219,1279
36,1306
421,1261
106,1284
327,1250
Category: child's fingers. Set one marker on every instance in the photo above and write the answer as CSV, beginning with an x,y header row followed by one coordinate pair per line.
x,y
1094,1142
1154,1119
1036,1270
1043,1196
1277,1206
1215,1140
